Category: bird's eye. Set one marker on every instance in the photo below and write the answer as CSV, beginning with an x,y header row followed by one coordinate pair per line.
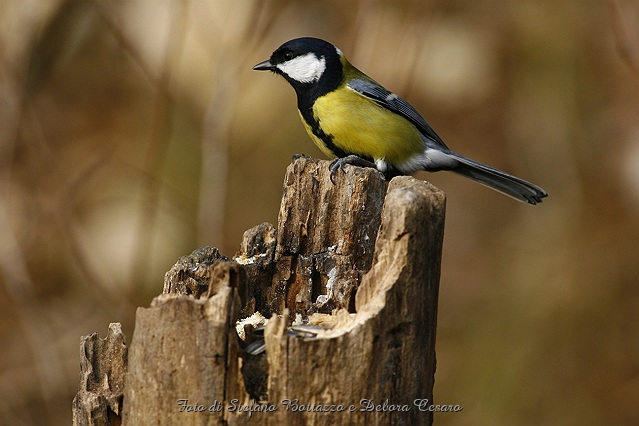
x,y
288,56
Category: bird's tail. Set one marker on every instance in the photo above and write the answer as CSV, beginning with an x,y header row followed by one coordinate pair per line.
x,y
500,181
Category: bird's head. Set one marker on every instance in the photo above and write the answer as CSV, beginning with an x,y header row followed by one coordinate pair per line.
x,y
306,63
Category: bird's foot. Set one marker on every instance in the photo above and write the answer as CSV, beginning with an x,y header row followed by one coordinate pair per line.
x,y
353,160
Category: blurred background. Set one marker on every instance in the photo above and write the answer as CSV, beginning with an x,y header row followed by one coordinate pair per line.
x,y
134,131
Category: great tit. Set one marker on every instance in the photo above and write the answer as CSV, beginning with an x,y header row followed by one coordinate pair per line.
x,y
355,120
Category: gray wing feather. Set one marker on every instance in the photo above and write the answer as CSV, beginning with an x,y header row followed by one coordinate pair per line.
x,y
394,103
489,176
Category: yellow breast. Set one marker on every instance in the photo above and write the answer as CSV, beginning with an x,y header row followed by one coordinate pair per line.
x,y
361,127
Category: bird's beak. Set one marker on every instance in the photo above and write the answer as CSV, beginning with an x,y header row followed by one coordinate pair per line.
x,y
264,66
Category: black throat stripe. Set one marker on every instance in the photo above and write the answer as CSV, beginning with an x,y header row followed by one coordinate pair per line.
x,y
307,114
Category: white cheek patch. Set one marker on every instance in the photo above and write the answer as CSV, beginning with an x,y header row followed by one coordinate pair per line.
x,y
306,68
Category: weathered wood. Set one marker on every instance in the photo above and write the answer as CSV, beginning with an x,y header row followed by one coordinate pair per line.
x,y
362,250
325,238
386,352
256,255
191,275
103,366
314,260
184,350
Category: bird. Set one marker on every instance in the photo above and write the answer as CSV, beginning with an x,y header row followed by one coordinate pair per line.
x,y
354,120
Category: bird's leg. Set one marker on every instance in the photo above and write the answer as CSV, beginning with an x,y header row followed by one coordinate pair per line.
x,y
353,160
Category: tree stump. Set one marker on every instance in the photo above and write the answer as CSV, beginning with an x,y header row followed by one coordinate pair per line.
x,y
358,257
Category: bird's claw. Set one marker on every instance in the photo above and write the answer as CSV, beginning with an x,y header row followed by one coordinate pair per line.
x,y
352,160
336,164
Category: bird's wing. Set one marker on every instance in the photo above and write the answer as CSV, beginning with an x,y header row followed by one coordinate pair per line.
x,y
394,103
